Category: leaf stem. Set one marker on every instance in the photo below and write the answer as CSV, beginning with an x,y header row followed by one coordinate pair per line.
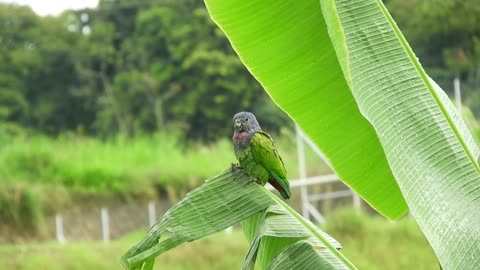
x,y
313,230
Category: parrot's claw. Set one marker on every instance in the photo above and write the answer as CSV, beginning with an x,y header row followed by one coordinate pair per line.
x,y
234,167
253,179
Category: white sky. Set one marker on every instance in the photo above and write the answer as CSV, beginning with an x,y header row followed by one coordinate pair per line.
x,y
54,7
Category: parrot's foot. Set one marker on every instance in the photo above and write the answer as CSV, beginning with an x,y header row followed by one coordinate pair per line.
x,y
254,179
233,167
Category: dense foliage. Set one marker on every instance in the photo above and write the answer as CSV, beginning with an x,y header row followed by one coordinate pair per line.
x,y
144,66
124,67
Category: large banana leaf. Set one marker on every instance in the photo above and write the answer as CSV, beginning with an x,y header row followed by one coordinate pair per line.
x,y
286,46
271,225
431,155
344,72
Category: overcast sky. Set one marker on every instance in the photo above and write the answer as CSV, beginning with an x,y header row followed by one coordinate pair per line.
x,y
54,7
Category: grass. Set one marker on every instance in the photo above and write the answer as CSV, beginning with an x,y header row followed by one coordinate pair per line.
x,y
369,242
216,252
374,243
120,164
40,175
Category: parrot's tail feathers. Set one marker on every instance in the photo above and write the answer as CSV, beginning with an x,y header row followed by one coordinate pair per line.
x,y
285,192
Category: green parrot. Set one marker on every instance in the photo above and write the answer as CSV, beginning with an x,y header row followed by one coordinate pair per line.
x,y
257,155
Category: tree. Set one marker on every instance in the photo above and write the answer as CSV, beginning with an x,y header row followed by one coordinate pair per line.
x,y
39,72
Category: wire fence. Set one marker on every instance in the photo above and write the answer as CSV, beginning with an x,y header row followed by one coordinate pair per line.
x,y
105,223
313,196
325,193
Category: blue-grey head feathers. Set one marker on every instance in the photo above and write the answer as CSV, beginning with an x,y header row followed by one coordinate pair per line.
x,y
245,122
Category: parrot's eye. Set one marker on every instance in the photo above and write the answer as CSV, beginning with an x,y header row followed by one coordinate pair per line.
x,y
246,119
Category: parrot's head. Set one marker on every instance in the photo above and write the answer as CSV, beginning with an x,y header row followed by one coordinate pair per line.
x,y
245,122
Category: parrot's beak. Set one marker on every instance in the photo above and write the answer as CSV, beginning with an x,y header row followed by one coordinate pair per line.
x,y
238,125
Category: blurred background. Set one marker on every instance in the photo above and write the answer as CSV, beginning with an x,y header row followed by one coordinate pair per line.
x,y
111,110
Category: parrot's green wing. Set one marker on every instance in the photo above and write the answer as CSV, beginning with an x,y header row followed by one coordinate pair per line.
x,y
267,155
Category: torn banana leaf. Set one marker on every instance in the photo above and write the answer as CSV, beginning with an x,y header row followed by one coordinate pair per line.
x,y
276,232
222,201
225,200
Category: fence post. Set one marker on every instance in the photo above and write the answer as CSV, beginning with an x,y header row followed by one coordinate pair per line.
x,y
458,96
152,217
302,171
105,225
59,229
356,202
229,230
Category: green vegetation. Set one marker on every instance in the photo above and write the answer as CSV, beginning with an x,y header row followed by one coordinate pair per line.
x,y
115,165
121,165
371,243
40,175
374,243
217,252
125,68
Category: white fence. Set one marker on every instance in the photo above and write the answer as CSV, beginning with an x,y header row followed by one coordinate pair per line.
x,y
109,223
308,210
